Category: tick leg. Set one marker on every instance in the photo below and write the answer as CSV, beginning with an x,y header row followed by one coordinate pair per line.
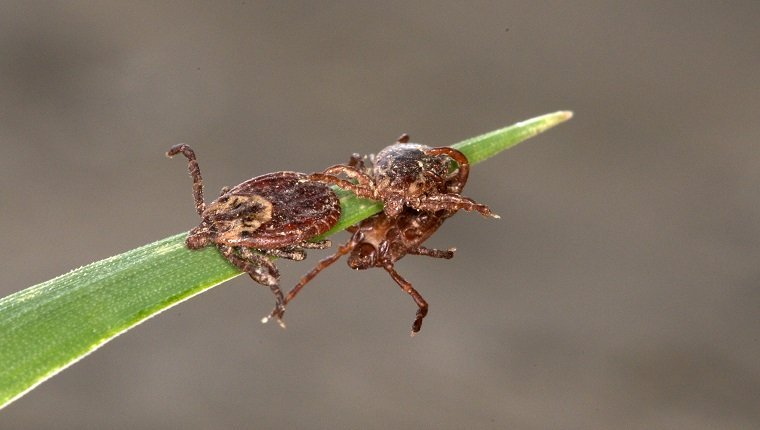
x,y
359,190
322,265
452,203
258,267
224,191
290,253
422,306
195,173
352,172
322,244
265,273
429,252
297,252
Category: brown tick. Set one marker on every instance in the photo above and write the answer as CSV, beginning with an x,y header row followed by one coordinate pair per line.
x,y
272,215
406,175
381,240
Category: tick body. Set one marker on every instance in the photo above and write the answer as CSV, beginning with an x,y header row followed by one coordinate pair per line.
x,y
408,175
272,215
383,239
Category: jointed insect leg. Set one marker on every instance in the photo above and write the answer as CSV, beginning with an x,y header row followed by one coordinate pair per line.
x,y
297,252
453,202
322,265
463,170
422,306
290,253
195,173
363,188
322,244
258,267
430,252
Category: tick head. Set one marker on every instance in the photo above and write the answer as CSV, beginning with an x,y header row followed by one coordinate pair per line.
x,y
362,257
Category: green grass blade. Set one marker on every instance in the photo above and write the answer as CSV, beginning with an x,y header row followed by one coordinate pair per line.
x,y
487,145
48,327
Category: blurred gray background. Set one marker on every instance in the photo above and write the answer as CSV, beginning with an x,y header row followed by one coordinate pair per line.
x,y
620,289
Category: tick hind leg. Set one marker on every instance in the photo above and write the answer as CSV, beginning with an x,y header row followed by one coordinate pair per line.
x,y
258,267
195,173
422,306
453,203
322,265
290,253
298,252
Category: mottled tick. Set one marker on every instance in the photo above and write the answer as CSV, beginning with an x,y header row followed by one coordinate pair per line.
x,y
272,215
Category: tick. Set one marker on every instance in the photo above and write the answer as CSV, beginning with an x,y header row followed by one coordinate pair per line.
x,y
381,240
408,175
272,215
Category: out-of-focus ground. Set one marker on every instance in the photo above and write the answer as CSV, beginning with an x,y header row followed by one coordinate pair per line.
x,y
620,289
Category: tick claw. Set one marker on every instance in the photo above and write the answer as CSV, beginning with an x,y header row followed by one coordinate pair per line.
x,y
280,322
277,314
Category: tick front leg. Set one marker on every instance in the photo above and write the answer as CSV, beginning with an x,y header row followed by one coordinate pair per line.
x,y
297,252
430,252
422,306
364,187
195,173
359,190
453,203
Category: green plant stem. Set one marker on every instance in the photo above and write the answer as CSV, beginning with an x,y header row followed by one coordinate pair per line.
x,y
47,327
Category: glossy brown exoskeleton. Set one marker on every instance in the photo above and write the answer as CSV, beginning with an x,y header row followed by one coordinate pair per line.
x,y
406,175
270,215
381,240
